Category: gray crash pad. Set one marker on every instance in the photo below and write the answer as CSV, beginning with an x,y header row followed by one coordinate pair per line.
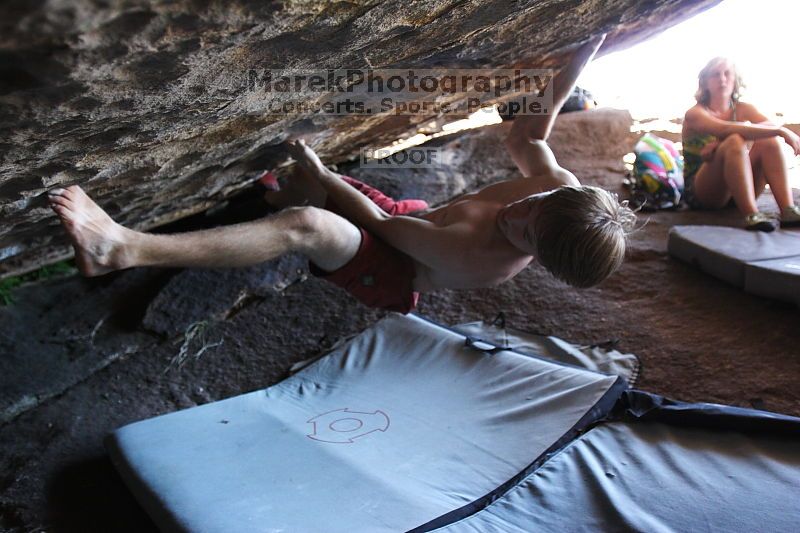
x,y
654,477
776,278
403,426
601,357
766,264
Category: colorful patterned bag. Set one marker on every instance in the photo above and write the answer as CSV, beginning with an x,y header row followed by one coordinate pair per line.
x,y
657,178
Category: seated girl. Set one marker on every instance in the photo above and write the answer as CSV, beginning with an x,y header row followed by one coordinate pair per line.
x,y
731,150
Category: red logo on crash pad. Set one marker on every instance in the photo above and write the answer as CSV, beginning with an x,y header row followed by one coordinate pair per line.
x,y
343,426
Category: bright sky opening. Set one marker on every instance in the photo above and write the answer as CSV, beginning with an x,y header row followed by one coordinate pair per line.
x,y
658,78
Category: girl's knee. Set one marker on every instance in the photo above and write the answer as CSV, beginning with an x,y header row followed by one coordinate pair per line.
x,y
770,143
733,142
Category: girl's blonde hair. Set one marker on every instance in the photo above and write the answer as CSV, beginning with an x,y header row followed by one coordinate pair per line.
x,y
702,95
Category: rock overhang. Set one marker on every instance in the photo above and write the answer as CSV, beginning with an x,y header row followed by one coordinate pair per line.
x,y
148,107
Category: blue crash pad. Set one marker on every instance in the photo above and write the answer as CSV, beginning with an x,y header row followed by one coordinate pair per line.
x,y
654,477
765,264
404,426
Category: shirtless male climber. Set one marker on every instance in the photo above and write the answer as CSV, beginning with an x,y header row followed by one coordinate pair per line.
x,y
482,239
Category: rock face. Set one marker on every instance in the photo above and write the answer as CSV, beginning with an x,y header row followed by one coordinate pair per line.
x,y
147,105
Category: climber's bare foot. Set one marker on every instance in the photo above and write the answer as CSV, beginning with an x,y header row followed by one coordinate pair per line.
x,y
99,242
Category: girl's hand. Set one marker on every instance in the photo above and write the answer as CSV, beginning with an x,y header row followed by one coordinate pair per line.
x,y
791,139
707,153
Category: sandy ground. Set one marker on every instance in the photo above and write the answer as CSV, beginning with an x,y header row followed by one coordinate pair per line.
x,y
698,338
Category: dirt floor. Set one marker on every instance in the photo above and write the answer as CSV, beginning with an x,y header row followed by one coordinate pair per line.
x,y
698,338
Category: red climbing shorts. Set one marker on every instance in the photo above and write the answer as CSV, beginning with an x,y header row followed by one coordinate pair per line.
x,y
378,275
391,206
